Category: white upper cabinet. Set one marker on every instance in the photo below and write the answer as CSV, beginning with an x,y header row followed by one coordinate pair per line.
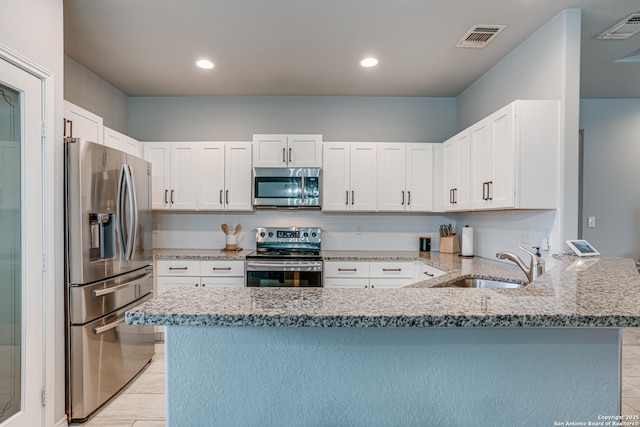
x,y
120,141
81,123
299,151
405,177
224,176
349,176
514,157
174,174
457,172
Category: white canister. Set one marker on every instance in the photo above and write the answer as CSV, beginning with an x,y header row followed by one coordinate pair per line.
x,y
467,241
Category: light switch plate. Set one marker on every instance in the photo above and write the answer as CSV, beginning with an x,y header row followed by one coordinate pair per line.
x,y
591,222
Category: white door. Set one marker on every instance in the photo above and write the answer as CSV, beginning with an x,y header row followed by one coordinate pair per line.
x,y
159,156
419,177
363,179
335,176
304,151
502,185
392,194
184,176
21,248
81,123
270,151
237,194
211,176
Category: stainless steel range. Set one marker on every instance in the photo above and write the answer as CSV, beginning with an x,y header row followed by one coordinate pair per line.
x,y
286,257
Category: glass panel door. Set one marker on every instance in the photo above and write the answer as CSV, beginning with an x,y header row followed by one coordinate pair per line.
x,y
21,248
10,254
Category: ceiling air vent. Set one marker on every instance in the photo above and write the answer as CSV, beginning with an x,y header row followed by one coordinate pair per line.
x,y
623,29
480,35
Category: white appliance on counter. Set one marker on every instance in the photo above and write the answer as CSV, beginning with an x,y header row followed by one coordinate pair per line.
x,y
109,270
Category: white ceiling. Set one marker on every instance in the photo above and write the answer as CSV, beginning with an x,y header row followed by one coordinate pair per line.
x,y
313,47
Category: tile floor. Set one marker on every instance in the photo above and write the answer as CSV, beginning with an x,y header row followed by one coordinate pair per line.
x,y
142,403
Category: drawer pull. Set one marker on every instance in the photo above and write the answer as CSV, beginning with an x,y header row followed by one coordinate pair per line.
x,y
391,269
347,269
428,274
178,268
222,268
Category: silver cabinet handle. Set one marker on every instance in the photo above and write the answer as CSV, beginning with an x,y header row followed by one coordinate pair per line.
x,y
220,196
101,329
289,155
408,198
402,198
347,269
226,196
222,268
391,269
347,197
284,160
451,196
166,192
428,274
102,292
485,191
353,196
490,190
178,268
455,196
172,196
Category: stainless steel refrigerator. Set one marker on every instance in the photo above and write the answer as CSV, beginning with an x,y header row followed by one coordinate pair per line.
x,y
108,261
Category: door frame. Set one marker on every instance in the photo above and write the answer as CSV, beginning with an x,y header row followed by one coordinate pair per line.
x,y
49,291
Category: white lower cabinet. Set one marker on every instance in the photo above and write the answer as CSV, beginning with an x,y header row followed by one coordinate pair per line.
x,y
425,272
368,274
195,273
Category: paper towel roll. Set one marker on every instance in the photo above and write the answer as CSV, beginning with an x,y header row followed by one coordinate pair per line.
x,y
467,241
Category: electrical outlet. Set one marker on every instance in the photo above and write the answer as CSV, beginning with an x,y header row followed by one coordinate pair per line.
x,y
525,236
591,222
359,229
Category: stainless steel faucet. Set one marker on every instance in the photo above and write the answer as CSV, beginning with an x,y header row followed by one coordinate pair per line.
x,y
536,266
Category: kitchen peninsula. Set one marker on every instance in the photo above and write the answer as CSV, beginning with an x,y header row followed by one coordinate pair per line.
x,y
421,355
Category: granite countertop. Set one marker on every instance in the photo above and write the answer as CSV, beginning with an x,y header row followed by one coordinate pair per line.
x,y
199,254
595,292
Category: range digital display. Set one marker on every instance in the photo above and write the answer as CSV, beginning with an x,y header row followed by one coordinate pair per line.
x,y
288,234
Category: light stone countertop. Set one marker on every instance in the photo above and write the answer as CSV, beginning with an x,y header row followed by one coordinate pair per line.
x,y
199,254
589,292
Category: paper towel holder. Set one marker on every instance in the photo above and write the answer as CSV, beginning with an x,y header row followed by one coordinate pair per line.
x,y
464,243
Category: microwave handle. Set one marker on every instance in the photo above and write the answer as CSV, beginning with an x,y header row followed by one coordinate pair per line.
x,y
302,187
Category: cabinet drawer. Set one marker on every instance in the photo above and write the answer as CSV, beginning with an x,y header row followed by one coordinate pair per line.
x,y
380,283
178,268
338,283
430,272
391,269
222,282
346,269
166,283
222,268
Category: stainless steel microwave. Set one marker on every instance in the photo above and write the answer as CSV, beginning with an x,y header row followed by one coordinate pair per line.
x,y
286,188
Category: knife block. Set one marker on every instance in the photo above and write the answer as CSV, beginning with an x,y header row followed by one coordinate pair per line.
x,y
450,244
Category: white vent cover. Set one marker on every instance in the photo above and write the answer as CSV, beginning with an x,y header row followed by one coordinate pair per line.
x,y
623,29
480,35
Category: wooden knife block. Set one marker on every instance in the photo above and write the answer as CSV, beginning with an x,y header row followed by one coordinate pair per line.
x,y
450,244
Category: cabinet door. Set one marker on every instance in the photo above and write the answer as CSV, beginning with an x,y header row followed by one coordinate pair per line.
x,y
131,146
166,283
363,177
159,154
346,283
304,151
335,176
83,123
222,282
270,151
450,161
482,164
392,192
503,174
113,138
184,178
211,175
346,269
419,177
237,180
457,172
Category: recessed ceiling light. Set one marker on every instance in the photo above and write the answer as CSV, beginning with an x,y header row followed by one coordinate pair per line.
x,y
205,64
369,62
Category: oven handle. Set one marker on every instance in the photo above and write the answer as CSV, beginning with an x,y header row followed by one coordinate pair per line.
x,y
276,266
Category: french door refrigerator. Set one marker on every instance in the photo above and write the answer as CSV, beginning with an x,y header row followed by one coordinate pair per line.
x,y
108,263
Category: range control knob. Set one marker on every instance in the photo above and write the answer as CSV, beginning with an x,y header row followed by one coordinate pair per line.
x,y
314,234
262,234
270,234
306,234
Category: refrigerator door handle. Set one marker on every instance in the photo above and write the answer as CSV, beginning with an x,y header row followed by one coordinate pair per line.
x,y
113,289
102,329
119,212
133,210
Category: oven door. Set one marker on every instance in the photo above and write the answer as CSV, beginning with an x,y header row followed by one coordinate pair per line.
x,y
284,273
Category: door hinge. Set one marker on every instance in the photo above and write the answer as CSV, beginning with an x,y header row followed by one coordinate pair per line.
x,y
44,262
44,397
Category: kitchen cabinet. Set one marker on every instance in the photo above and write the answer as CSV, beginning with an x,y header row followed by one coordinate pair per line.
x,y
81,123
456,155
174,174
368,274
120,141
424,272
514,157
224,176
293,151
405,177
349,176
200,274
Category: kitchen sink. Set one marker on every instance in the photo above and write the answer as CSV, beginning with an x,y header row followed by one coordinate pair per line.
x,y
483,283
